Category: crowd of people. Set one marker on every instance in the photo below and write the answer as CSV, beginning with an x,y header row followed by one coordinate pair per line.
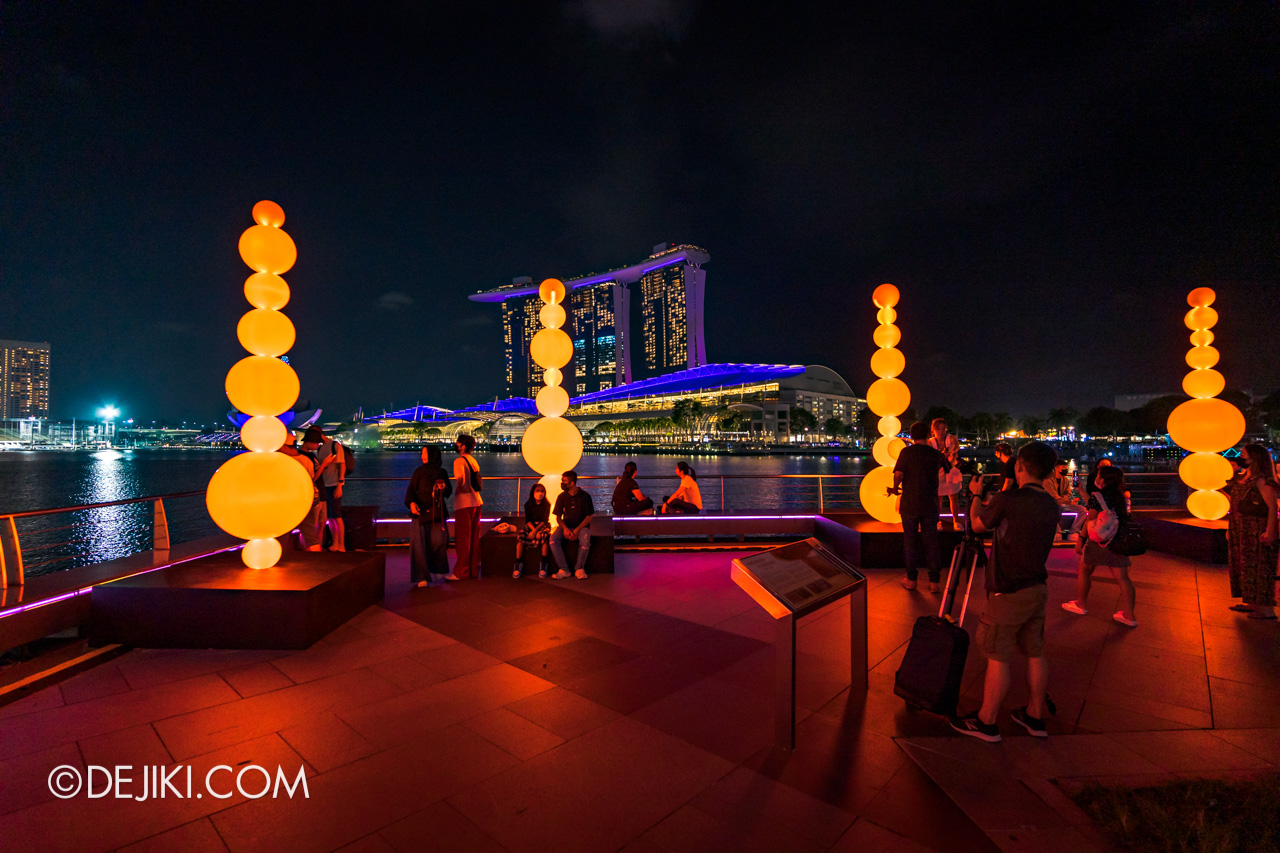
x,y
1026,505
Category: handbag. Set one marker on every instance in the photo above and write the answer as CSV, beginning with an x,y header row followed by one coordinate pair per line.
x,y
1105,527
1127,539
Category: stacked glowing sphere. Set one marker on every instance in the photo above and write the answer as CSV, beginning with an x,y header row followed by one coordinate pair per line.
x,y
262,494
551,445
1204,424
888,397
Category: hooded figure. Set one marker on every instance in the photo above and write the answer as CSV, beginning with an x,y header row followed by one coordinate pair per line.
x,y
429,537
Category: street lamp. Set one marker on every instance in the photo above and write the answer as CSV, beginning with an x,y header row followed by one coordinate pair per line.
x,y
108,414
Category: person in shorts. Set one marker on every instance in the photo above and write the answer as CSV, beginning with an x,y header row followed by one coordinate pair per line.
x,y
1024,521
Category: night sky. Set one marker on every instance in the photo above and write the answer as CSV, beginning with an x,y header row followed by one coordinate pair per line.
x,y
1044,183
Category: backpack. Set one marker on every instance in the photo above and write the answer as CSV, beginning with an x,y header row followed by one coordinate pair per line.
x,y
1104,528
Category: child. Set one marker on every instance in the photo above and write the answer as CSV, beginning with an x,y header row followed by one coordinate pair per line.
x,y
537,528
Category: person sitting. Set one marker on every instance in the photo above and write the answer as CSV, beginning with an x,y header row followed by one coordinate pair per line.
x,y
627,497
1058,486
573,512
536,532
688,498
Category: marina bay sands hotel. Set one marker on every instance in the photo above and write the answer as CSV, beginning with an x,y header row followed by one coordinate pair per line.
x,y
670,287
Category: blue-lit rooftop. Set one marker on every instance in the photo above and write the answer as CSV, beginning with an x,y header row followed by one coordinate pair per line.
x,y
622,275
703,378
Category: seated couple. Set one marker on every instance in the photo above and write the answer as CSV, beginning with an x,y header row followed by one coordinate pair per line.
x,y
573,511
629,500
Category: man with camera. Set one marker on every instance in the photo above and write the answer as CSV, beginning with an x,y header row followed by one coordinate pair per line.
x,y
1024,521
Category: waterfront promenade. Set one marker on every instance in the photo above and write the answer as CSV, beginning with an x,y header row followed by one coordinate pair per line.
x,y
633,711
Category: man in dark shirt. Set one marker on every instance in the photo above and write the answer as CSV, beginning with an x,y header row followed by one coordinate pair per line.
x,y
1024,521
573,511
915,479
1004,453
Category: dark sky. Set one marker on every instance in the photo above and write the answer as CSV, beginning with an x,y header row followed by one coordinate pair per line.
x,y
1044,183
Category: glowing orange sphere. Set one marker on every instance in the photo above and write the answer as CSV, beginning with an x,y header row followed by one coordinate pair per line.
x,y
268,213
262,433
886,316
551,348
886,336
551,482
262,385
1203,383
1206,426
1201,338
552,376
268,249
885,296
552,401
552,315
1204,471
889,425
886,449
888,397
551,290
1201,297
878,504
259,495
1202,357
1201,318
551,445
263,331
266,290
888,363
261,553
1207,505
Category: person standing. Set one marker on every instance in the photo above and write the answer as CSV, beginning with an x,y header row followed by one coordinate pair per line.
x,y
687,499
949,485
1252,546
333,468
1058,486
1108,495
915,481
627,497
1024,521
312,526
1004,453
573,512
426,499
466,511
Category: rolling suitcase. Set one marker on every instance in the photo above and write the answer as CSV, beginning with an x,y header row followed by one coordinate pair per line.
x,y
931,671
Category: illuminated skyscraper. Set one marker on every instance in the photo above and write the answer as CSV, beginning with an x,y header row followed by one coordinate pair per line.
x,y
671,288
24,380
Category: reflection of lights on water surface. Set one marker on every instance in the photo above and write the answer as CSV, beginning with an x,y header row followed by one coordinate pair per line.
x,y
112,531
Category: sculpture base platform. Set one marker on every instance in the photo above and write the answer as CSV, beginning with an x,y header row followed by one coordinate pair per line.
x,y
878,545
216,603
1181,534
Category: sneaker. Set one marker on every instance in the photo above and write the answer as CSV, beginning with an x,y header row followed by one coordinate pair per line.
x,y
1120,617
1074,607
908,584
516,574
580,574
560,575
452,577
973,727
934,587
542,573
420,584
1031,724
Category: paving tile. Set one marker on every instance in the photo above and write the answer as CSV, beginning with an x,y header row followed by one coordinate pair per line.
x,y
689,830
563,712
1244,653
1242,706
564,663
396,719
375,620
149,667
718,717
325,742
536,806
709,611
1063,840
514,733
865,835
199,836
456,659
645,632
1100,718
82,824
256,678
1190,751
24,779
320,661
41,700
360,798
200,731
439,828
1191,717
1264,743
528,639
137,746
635,683
745,795
912,806
406,673
102,680
374,843
754,623
1158,674
43,729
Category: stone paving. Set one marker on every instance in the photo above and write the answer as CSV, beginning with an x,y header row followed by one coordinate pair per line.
x,y
633,711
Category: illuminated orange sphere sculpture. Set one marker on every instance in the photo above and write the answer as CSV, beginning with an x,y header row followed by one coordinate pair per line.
x,y
888,397
551,445
262,494
1204,424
